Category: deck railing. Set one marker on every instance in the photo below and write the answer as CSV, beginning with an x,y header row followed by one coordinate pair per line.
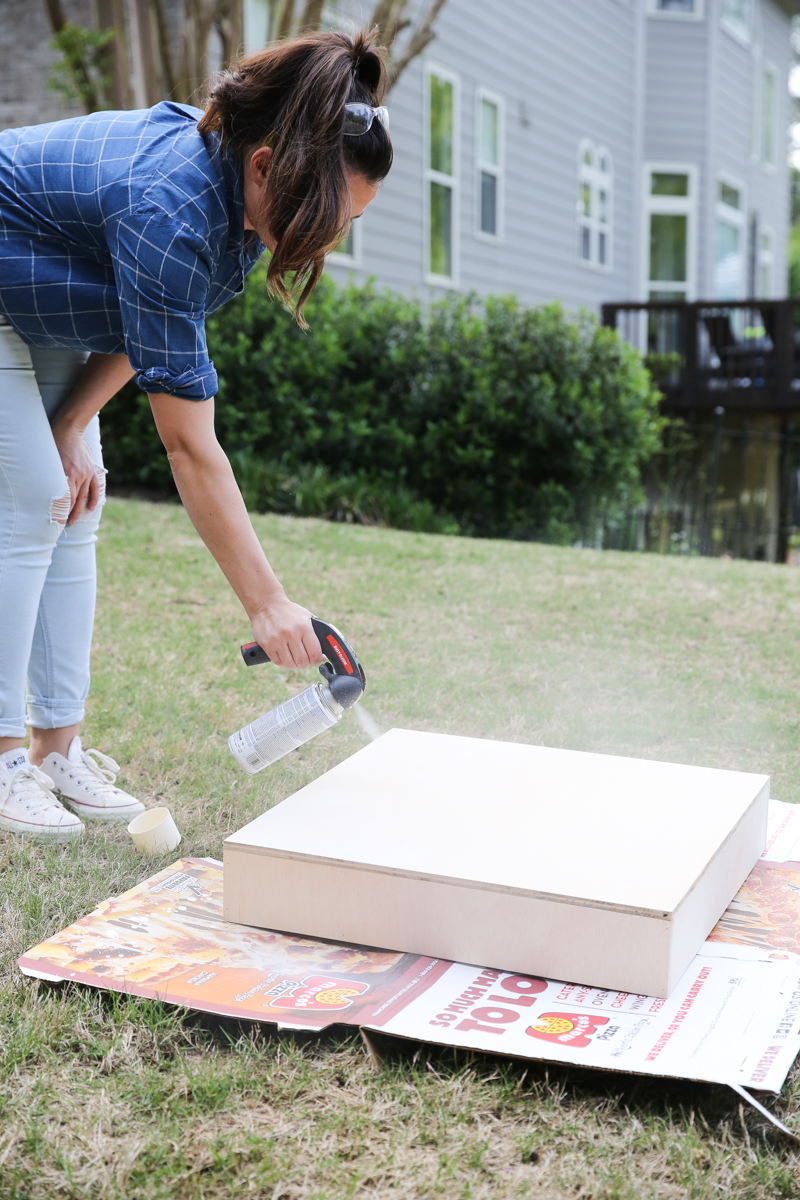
x,y
740,356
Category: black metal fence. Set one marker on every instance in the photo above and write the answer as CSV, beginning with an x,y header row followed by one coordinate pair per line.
x,y
743,356
728,480
726,487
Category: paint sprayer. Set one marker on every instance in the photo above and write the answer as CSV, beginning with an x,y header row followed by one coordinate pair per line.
x,y
312,711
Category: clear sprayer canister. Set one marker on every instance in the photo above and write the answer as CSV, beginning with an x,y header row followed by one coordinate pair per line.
x,y
284,728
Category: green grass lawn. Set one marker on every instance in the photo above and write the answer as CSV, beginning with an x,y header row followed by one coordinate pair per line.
x,y
695,661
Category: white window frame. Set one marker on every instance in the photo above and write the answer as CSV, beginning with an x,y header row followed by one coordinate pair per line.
x,y
765,258
733,30
733,216
452,181
498,169
679,206
769,68
667,15
596,179
339,258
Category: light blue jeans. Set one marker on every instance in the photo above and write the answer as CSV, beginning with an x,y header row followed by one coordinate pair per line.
x,y
47,570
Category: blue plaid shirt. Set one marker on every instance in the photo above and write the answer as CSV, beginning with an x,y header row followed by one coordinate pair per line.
x,y
121,231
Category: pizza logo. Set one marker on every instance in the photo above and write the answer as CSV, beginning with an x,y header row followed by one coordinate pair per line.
x,y
316,993
571,1029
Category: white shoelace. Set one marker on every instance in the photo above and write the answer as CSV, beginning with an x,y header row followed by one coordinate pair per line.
x,y
33,790
101,766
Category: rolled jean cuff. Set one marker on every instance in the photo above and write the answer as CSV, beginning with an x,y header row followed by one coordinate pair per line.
x,y
13,728
45,713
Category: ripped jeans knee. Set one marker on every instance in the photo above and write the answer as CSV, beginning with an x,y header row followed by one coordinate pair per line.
x,y
61,505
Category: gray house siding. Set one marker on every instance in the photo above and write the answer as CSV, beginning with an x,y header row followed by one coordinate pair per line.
x,y
650,88
564,75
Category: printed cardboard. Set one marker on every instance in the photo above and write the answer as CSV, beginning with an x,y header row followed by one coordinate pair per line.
x,y
591,868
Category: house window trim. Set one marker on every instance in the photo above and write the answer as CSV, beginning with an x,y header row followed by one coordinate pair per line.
x,y
766,258
679,205
452,181
733,216
595,175
499,170
768,67
338,258
667,15
744,39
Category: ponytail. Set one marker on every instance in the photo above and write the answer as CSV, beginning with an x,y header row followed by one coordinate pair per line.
x,y
291,97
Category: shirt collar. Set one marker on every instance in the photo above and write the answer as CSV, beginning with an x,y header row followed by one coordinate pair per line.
x,y
241,242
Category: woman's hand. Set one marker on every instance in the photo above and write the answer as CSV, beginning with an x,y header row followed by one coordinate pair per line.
x,y
284,630
101,378
79,468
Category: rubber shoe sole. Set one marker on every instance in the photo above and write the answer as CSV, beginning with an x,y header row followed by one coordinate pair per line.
x,y
42,833
101,812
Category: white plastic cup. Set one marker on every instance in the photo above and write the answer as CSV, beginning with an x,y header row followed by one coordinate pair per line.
x,y
154,832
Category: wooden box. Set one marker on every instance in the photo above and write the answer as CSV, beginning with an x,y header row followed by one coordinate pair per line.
x,y
583,867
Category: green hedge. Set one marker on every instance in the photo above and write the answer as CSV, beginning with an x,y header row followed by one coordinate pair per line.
x,y
484,418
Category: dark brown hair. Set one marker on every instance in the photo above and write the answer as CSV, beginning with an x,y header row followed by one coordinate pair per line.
x,y
291,96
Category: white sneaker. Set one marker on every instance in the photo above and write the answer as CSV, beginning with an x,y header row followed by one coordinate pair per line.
x,y
27,803
85,781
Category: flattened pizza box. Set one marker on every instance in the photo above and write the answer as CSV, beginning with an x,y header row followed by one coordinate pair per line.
x,y
590,868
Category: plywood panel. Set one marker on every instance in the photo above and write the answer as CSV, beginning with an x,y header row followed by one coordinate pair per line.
x,y
522,857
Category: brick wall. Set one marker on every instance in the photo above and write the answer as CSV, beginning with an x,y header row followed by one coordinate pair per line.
x,y
26,60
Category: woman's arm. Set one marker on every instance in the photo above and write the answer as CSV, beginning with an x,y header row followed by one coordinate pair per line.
x,y
101,378
215,506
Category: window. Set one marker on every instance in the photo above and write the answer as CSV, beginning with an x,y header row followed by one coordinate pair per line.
x,y
669,251
595,197
769,97
441,175
737,19
686,9
729,243
348,252
765,263
489,166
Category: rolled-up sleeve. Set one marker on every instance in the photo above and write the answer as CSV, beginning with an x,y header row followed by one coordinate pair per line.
x,y
163,274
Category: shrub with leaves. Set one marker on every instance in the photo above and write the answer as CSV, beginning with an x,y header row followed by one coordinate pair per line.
x,y
484,417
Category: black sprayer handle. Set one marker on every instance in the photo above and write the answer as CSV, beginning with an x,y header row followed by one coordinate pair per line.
x,y
335,647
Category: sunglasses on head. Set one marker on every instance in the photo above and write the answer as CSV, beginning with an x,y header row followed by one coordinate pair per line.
x,y
358,118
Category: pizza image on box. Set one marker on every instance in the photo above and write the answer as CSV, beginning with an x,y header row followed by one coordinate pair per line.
x,y
571,1029
316,993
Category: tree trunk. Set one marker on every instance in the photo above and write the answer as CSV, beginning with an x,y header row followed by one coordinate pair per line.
x,y
230,26
110,15
200,18
161,30
79,68
285,19
147,64
312,16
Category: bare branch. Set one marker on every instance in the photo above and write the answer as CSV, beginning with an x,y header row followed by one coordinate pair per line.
x,y
56,14
422,36
390,18
230,26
